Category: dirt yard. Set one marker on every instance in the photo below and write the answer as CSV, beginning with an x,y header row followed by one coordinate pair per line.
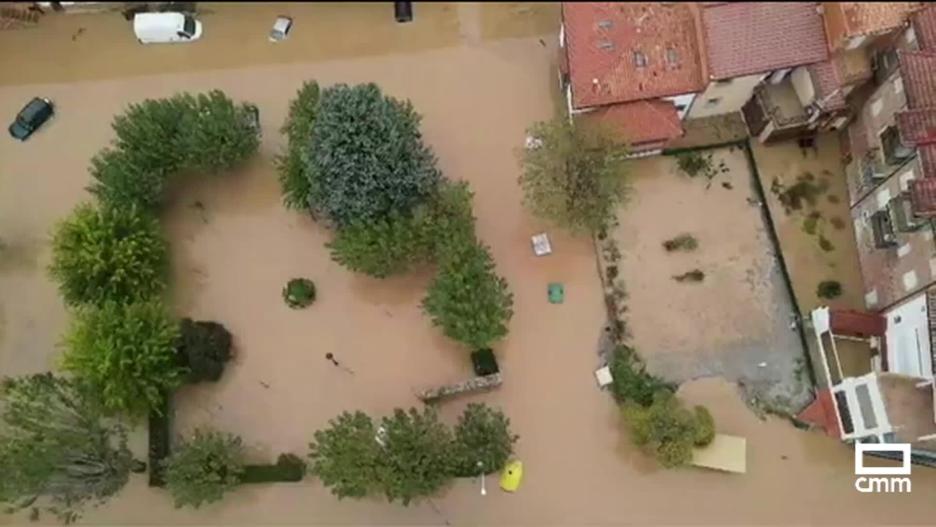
x,y
233,254
735,322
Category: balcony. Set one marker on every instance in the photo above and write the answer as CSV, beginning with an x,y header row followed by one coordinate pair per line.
x,y
775,113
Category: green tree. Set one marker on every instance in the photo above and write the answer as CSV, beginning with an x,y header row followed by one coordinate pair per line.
x,y
449,224
366,156
705,426
102,254
202,469
381,248
574,177
294,181
125,178
418,455
482,435
666,428
468,300
126,352
204,348
346,456
631,380
55,444
216,133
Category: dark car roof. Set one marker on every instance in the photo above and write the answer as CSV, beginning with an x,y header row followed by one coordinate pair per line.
x,y
35,109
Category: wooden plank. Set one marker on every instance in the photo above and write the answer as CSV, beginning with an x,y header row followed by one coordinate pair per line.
x,y
727,453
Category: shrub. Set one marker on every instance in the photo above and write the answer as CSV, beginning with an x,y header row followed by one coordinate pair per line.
x,y
127,352
382,247
159,431
683,242
299,293
56,443
366,156
484,362
829,289
107,254
417,458
694,163
631,382
468,300
695,275
203,469
449,224
705,426
124,178
204,348
575,177
288,468
345,456
666,428
294,181
482,435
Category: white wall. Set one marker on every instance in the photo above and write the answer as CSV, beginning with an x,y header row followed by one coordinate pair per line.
x,y
684,100
731,95
803,86
908,342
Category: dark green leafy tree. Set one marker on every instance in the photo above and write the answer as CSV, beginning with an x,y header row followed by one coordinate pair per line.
x,y
216,134
467,298
126,178
632,382
667,429
383,247
449,223
202,469
204,348
346,456
126,353
575,176
56,445
483,436
367,157
108,254
294,181
418,455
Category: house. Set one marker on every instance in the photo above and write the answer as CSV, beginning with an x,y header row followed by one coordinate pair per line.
x,y
851,25
634,67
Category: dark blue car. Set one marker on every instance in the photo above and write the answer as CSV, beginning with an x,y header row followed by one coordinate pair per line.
x,y
31,117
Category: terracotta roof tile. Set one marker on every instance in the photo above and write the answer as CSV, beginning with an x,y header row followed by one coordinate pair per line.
x,y
924,24
747,38
844,20
605,41
923,196
917,126
828,83
927,155
918,71
640,121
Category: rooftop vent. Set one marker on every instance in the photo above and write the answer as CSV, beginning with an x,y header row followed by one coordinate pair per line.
x,y
604,24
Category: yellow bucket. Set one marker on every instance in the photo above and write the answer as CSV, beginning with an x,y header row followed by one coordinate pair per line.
x,y
512,476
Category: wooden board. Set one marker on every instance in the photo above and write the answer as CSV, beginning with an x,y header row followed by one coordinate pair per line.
x,y
727,453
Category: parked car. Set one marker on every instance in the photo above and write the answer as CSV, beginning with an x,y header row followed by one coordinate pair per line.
x,y
280,28
31,117
157,28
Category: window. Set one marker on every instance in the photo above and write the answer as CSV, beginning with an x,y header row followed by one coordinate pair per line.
x,y
189,26
714,101
723,82
680,107
893,149
883,229
672,57
640,60
844,412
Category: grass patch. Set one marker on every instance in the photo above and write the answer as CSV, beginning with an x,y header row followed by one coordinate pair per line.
x,y
695,275
683,242
811,223
829,289
805,191
825,244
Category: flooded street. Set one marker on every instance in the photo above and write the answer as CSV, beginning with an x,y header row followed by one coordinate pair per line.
x,y
479,74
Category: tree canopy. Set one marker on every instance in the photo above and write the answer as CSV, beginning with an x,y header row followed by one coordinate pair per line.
x,y
346,456
483,436
102,254
417,455
203,468
366,157
56,444
573,176
294,182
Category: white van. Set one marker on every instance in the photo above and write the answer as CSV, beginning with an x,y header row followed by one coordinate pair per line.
x,y
154,28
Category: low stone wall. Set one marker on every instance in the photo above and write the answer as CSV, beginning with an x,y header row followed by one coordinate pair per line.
x,y
475,384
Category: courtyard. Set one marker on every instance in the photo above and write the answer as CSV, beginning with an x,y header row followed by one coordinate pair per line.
x,y
478,86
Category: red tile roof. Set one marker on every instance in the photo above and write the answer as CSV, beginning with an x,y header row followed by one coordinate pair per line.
x,y
604,41
918,71
827,80
640,121
856,323
844,20
917,126
923,196
746,38
927,155
924,24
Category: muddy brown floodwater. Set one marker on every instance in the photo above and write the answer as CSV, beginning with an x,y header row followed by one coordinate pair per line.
x,y
488,73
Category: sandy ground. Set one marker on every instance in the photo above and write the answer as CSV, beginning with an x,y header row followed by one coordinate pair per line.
x,y
736,323
230,263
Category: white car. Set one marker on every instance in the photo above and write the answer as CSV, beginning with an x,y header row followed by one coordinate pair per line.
x,y
280,29
157,28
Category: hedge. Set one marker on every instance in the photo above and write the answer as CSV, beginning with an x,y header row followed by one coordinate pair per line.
x,y
159,434
288,467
